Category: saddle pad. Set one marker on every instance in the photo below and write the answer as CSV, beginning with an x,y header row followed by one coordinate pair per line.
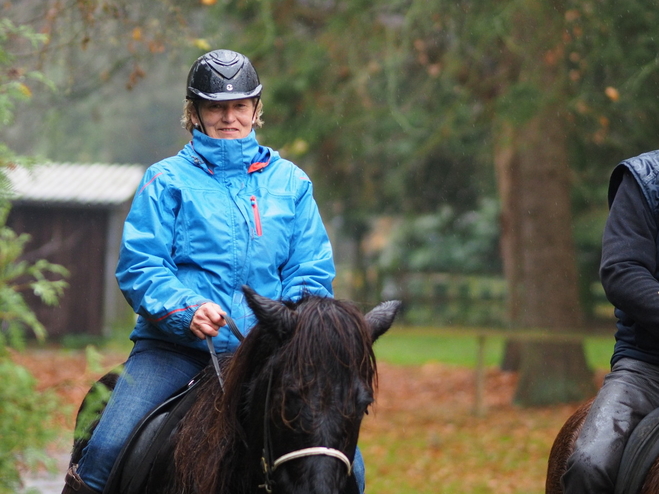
x,y
132,468
641,450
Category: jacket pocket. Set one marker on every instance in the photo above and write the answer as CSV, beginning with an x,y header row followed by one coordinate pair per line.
x,y
257,216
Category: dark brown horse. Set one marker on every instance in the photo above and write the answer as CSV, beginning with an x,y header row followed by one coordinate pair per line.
x,y
288,420
639,469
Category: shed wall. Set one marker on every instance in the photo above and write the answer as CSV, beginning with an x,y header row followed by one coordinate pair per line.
x,y
76,239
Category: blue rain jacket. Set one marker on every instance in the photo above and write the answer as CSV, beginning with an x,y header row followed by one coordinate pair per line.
x,y
221,214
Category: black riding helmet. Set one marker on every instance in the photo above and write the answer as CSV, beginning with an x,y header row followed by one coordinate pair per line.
x,y
223,75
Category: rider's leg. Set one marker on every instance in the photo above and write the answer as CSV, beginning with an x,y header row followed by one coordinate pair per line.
x,y
359,470
628,394
154,370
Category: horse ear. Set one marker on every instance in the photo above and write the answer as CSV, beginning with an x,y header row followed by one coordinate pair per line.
x,y
270,313
381,317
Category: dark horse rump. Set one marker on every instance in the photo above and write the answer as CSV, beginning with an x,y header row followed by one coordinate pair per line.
x,y
294,396
639,466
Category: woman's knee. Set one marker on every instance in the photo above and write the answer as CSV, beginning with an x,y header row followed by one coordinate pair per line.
x,y
588,470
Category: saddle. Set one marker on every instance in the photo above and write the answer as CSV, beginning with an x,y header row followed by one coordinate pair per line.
x,y
152,436
640,452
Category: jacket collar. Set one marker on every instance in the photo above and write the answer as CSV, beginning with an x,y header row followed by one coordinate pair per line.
x,y
230,156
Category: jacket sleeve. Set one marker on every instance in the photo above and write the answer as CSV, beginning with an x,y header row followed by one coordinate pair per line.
x,y
310,264
629,255
146,272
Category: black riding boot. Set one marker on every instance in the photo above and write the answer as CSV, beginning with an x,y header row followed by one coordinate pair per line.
x,y
73,484
630,391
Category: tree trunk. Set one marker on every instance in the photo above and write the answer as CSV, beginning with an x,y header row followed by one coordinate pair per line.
x,y
549,293
506,162
553,373
533,176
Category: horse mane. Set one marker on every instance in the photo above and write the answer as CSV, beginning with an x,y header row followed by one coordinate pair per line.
x,y
329,338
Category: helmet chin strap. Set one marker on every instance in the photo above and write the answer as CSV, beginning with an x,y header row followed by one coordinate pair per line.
x,y
200,126
256,107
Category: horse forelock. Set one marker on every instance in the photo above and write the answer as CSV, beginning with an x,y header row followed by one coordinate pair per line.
x,y
330,351
330,335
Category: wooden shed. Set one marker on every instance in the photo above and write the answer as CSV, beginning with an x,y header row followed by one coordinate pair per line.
x,y
74,214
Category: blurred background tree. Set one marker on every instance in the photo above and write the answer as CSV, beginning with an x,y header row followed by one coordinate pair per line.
x,y
24,427
438,116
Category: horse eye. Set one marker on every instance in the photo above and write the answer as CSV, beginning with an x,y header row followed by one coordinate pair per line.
x,y
366,403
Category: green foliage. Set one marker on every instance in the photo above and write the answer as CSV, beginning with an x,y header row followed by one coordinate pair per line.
x,y
24,412
119,76
24,427
520,103
353,93
96,399
446,242
17,275
13,85
614,73
449,299
389,105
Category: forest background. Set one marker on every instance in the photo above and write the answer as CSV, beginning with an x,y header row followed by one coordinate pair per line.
x,y
459,149
456,147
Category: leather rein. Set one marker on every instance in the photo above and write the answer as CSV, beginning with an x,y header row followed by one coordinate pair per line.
x,y
269,466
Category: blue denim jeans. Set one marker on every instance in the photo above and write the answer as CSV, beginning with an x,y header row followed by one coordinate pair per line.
x,y
153,372
359,470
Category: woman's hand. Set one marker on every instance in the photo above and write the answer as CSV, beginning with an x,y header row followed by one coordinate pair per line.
x,y
207,320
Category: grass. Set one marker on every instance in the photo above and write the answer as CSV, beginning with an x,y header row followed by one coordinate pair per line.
x,y
418,346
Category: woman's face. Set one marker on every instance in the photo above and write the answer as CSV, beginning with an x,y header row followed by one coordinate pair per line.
x,y
226,119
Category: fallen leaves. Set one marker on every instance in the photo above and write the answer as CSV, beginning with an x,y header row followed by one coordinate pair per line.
x,y
421,437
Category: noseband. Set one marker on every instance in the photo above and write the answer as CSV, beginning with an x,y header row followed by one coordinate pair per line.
x,y
317,451
269,466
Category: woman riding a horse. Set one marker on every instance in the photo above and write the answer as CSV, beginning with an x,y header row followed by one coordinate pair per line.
x,y
223,213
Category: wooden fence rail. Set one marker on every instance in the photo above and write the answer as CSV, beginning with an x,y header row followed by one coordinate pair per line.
x,y
526,335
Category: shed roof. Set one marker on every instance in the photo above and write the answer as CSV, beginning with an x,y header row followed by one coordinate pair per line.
x,y
75,184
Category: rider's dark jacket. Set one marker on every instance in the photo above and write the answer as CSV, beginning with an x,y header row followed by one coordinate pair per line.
x,y
629,269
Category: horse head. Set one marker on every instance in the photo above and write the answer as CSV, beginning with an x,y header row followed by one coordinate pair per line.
x,y
313,389
295,394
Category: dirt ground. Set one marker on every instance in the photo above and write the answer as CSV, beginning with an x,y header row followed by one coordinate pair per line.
x,y
422,436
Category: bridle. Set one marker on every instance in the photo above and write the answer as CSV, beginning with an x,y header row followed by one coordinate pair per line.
x,y
269,466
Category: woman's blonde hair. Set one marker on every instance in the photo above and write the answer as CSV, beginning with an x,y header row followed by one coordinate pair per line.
x,y
189,110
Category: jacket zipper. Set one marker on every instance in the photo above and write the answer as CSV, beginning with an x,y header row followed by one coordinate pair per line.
x,y
257,216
